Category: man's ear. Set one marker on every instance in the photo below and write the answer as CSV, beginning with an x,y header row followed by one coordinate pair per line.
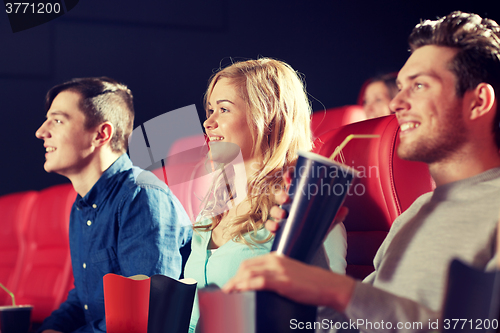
x,y
483,100
103,134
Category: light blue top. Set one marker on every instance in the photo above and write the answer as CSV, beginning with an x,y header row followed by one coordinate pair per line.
x,y
219,266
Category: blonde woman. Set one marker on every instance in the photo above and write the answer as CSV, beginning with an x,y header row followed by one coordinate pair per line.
x,y
262,107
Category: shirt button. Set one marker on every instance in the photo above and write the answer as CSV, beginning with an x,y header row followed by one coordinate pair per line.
x,y
84,265
86,307
89,223
94,206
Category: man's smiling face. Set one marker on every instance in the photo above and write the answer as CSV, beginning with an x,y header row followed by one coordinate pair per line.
x,y
68,144
427,106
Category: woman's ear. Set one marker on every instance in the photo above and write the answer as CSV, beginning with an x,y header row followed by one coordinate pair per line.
x,y
104,133
483,100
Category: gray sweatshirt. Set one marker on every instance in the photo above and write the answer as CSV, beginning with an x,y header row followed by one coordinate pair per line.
x,y
405,292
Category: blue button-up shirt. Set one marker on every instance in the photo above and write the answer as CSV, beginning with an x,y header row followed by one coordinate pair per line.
x,y
129,223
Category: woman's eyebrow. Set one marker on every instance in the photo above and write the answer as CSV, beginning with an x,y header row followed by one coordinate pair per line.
x,y
224,100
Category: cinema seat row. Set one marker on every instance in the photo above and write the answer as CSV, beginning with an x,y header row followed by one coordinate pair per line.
x,y
34,251
35,263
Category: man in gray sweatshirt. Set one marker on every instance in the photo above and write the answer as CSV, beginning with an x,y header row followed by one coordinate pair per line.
x,y
447,108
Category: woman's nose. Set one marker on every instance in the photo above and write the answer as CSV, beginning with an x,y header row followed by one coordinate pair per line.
x,y
211,122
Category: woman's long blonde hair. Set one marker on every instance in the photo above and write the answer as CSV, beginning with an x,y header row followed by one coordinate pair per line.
x,y
279,119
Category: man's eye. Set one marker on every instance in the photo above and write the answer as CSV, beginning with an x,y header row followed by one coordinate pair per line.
x,y
419,85
57,121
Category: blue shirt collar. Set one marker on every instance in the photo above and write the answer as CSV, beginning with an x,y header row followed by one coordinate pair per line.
x,y
99,192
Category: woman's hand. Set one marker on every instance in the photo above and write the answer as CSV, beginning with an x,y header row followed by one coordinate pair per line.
x,y
277,214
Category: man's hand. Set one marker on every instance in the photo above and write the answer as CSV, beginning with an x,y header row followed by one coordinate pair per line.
x,y
294,280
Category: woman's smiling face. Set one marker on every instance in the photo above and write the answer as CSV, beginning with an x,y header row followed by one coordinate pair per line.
x,y
227,118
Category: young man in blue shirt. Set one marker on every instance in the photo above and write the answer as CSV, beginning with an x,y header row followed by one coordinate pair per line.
x,y
124,220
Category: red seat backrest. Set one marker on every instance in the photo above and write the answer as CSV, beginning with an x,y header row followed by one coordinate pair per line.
x,y
46,274
387,186
15,210
325,120
184,172
187,185
186,143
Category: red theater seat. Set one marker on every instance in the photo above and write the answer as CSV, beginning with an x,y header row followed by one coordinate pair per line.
x,y
16,210
387,186
186,143
46,273
323,121
185,174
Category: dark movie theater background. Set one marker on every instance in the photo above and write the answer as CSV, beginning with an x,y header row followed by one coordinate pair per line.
x,y
165,51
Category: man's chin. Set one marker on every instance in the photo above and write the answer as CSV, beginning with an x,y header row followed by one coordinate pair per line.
x,y
421,154
402,152
48,168
406,153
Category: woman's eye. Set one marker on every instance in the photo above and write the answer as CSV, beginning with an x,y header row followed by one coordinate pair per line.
x,y
224,110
